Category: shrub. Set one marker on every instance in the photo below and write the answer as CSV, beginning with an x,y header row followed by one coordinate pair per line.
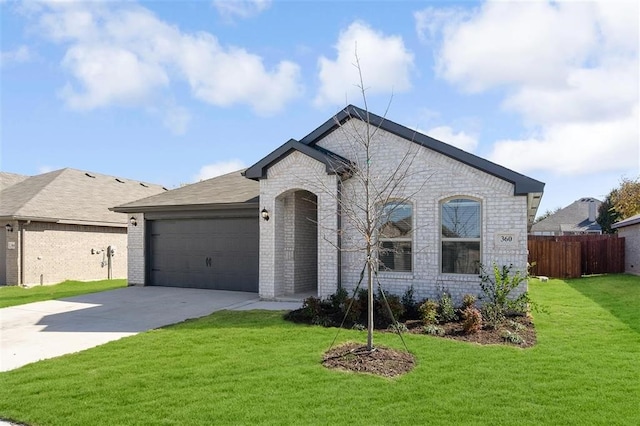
x,y
383,318
516,325
433,330
410,305
446,310
313,311
398,327
340,299
471,320
496,288
429,312
359,307
512,337
468,300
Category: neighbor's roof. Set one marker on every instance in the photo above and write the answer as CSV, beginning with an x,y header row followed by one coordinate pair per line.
x,y
573,218
10,179
232,189
72,196
633,220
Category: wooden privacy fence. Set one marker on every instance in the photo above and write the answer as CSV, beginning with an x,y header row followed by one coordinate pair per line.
x,y
572,256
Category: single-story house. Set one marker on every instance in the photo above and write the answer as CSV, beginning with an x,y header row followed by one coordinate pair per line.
x,y
57,226
288,225
629,229
578,218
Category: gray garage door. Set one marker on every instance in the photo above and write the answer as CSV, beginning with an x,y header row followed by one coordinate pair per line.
x,y
220,254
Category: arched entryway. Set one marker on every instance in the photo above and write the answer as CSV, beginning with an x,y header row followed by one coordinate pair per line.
x,y
296,234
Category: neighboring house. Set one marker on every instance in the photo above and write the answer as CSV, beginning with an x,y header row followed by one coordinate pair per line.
x,y
629,229
57,226
10,179
578,218
283,232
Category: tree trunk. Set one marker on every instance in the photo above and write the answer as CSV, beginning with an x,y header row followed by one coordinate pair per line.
x,y
370,301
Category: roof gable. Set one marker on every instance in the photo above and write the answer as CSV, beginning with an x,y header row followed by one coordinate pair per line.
x,y
523,185
334,163
72,196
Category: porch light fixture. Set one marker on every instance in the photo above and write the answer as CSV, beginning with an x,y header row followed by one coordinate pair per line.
x,y
8,227
133,221
265,214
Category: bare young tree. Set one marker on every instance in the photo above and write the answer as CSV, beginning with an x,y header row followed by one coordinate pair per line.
x,y
373,196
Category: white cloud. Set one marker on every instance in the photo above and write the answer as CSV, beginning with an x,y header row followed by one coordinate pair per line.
x,y
19,55
385,62
460,140
217,169
574,83
109,75
576,148
241,8
122,54
176,119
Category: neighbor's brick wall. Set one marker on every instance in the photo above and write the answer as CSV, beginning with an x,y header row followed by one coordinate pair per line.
x,y
432,178
297,172
57,252
631,236
136,271
12,257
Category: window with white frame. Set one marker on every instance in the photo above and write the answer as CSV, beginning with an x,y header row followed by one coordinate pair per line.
x,y
395,233
460,220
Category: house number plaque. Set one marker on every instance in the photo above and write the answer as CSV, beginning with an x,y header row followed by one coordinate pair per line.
x,y
506,240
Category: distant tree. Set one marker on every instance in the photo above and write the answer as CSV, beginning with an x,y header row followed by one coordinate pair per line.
x,y
607,214
546,214
626,199
620,203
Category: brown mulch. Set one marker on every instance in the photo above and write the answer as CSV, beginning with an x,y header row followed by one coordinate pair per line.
x,y
486,336
388,362
380,361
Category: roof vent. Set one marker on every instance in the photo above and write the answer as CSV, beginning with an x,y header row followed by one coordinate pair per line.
x,y
90,175
142,184
119,180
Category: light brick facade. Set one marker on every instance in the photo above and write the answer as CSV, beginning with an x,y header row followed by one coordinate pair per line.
x,y
44,252
428,179
280,195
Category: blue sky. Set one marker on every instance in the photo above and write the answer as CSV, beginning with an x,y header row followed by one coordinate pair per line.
x,y
173,92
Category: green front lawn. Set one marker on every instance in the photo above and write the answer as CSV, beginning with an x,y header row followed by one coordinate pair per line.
x,y
16,295
254,368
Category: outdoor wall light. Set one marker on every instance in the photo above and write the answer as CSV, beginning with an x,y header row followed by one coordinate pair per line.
x,y
133,221
264,213
8,227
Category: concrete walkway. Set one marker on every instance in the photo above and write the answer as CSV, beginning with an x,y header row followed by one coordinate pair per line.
x,y
41,330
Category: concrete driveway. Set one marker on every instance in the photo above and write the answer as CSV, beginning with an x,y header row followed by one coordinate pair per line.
x,y
41,330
